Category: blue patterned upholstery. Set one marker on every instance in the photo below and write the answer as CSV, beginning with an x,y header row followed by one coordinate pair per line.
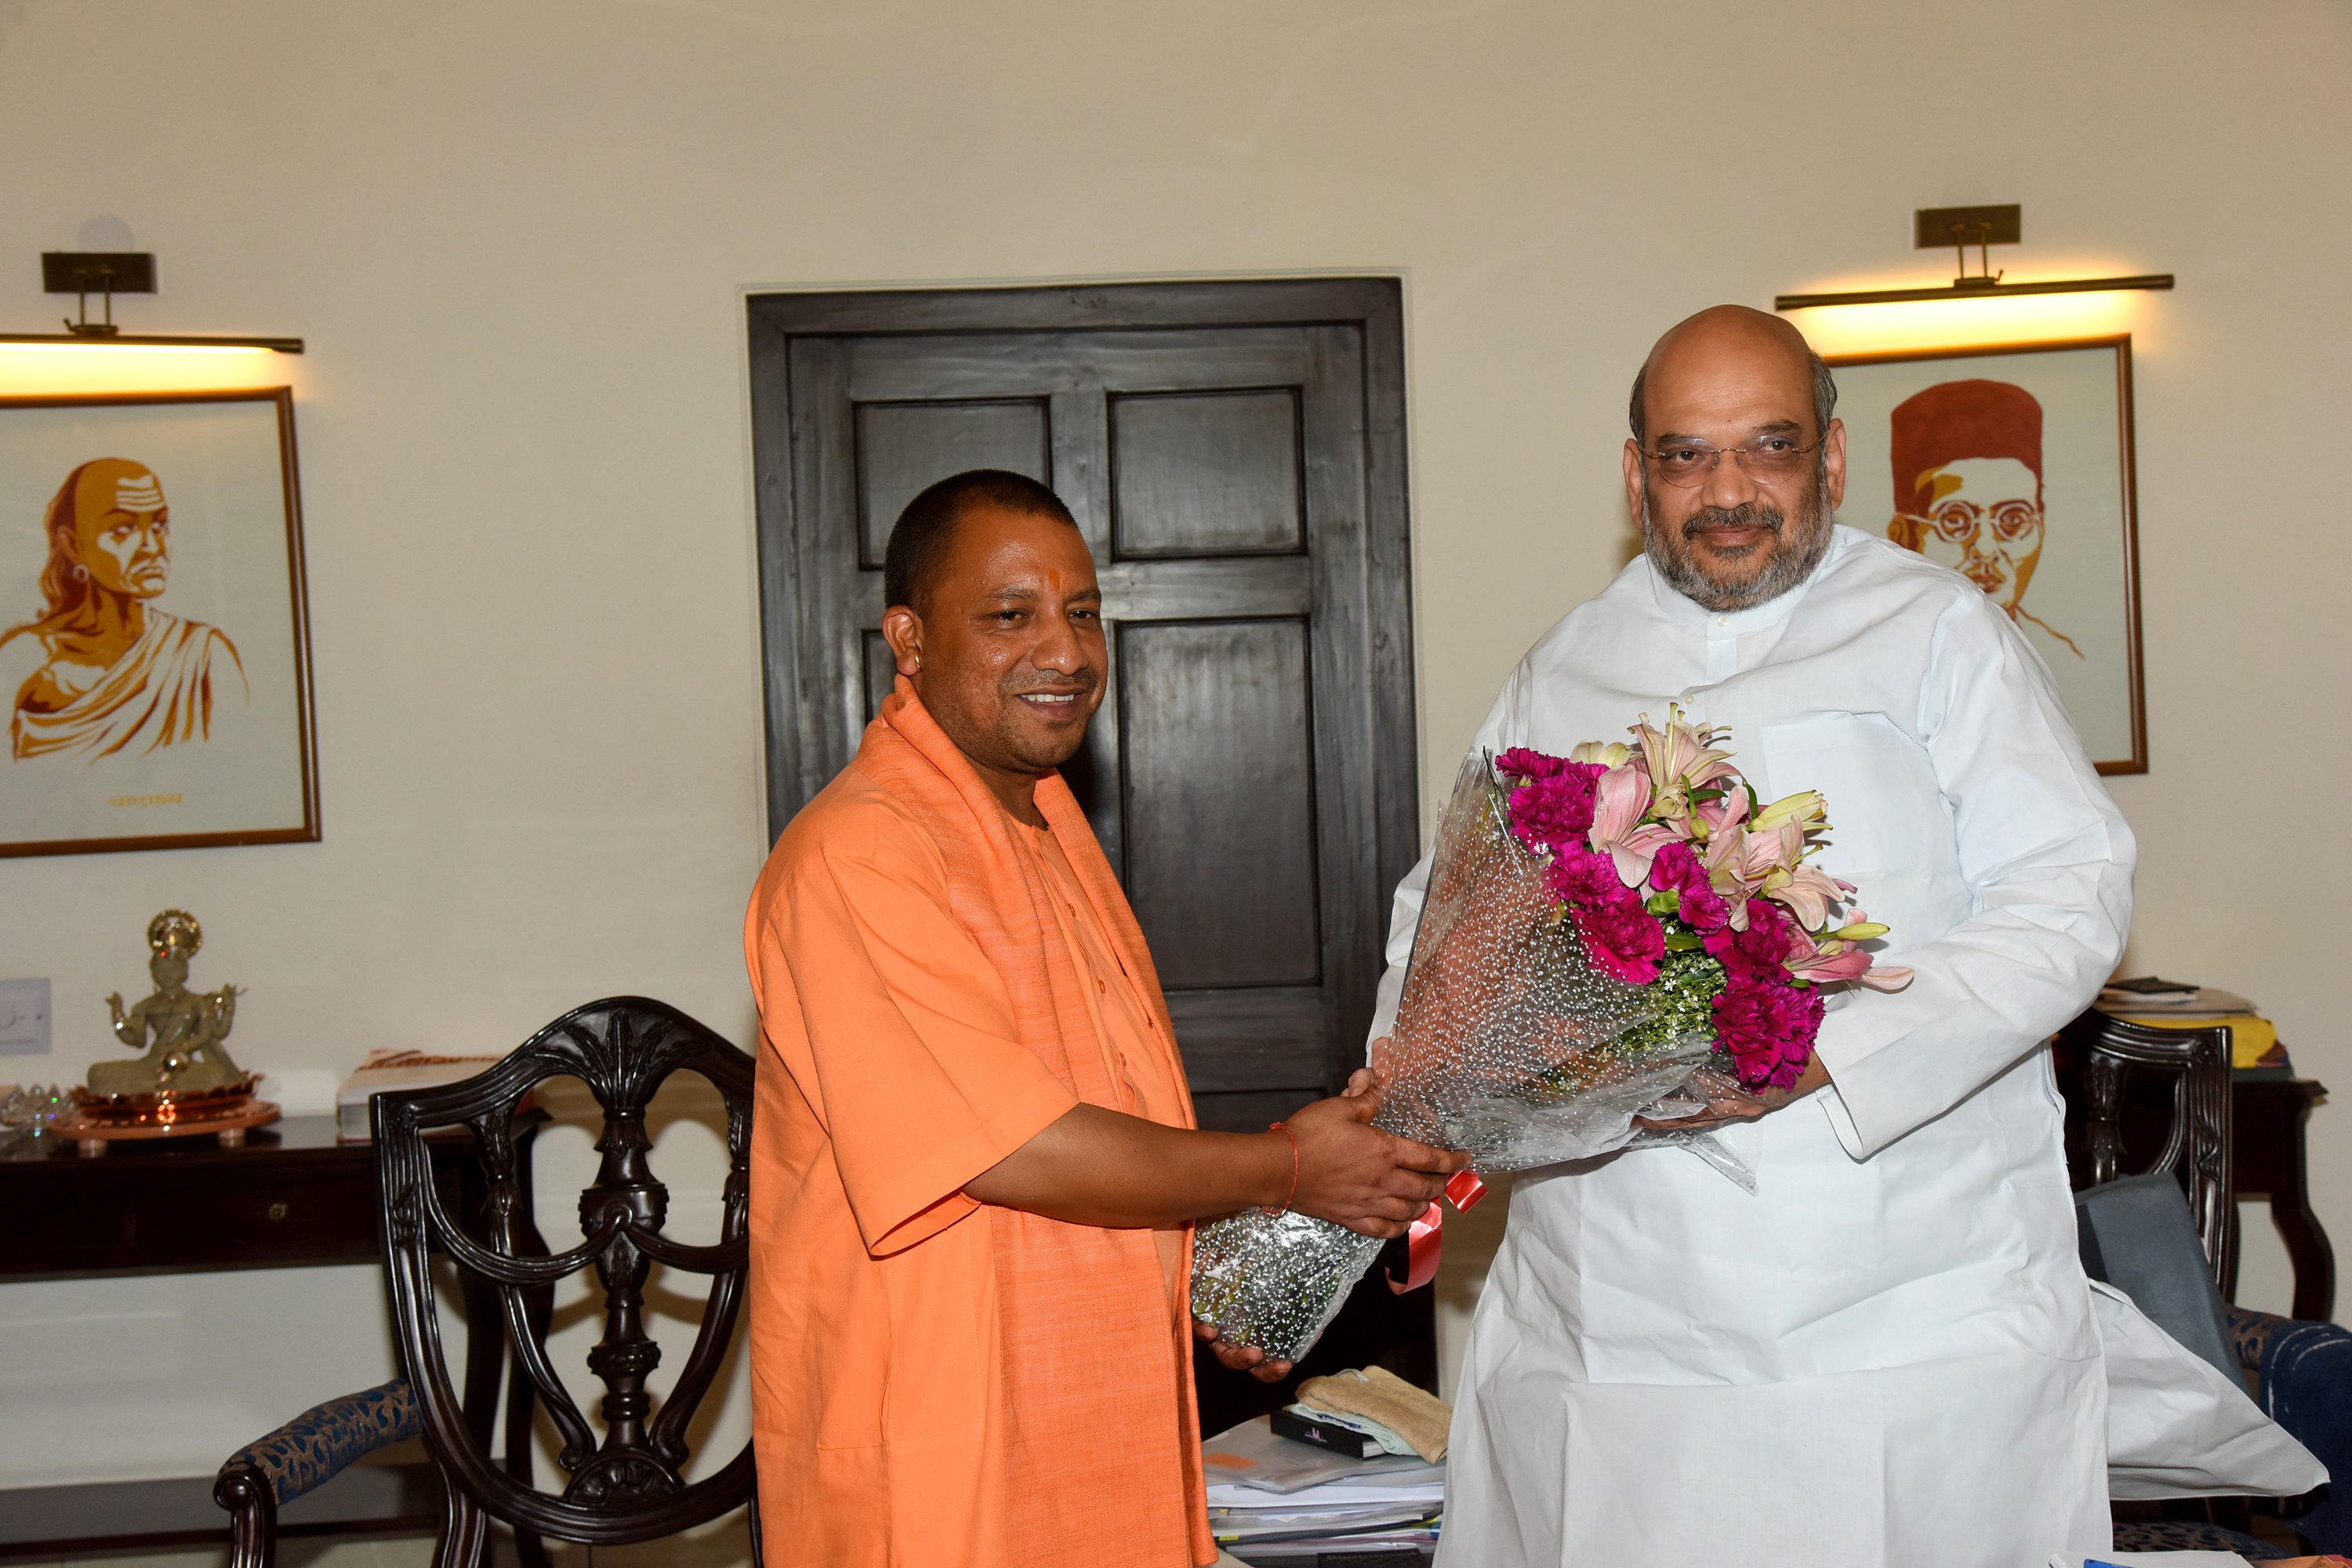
x,y
313,1447
2304,1383
2185,1535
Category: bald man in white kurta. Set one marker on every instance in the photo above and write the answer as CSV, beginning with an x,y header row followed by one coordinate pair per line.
x,y
1887,1353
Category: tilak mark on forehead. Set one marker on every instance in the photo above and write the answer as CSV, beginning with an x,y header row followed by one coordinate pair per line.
x,y
139,492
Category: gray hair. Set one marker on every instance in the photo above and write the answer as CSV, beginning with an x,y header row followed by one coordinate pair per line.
x,y
1825,399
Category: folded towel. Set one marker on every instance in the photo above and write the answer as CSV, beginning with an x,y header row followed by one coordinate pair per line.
x,y
1417,1415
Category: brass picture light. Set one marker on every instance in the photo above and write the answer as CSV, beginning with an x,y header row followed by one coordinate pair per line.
x,y
107,273
1961,228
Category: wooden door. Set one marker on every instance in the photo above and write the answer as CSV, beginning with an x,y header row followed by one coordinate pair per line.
x,y
1234,454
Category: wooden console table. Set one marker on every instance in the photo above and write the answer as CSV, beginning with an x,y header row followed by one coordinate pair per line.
x,y
2268,1114
2267,1120
290,1195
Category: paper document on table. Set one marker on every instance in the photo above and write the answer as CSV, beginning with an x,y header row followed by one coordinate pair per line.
x,y
1328,1496
2210,999
1250,1456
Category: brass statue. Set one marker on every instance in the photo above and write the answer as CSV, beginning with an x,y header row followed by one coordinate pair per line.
x,y
179,1032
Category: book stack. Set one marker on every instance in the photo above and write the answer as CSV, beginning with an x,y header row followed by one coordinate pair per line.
x,y
2175,1004
396,1069
1276,1500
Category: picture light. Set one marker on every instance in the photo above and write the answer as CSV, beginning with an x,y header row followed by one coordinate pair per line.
x,y
107,273
1960,227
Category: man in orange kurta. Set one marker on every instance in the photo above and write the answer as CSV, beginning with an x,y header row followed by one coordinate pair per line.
x,y
973,1167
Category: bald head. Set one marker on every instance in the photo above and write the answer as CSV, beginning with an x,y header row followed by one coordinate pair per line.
x,y
120,527
1731,339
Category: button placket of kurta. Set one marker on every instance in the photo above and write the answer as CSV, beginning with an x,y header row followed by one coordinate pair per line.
x,y
1143,1091
1063,890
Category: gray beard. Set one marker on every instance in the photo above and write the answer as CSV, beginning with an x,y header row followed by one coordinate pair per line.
x,y
1787,567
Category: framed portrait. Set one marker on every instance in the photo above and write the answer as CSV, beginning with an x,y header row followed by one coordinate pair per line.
x,y
2012,465
155,641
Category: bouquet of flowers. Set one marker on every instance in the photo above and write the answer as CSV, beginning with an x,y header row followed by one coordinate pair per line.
x,y
1603,934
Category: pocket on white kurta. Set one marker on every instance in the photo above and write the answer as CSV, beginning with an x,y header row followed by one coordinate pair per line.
x,y
1891,831
1874,775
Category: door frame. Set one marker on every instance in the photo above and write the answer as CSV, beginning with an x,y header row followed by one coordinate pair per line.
x,y
1373,305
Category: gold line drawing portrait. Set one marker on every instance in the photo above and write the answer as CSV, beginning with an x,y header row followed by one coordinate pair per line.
x,y
121,674
1967,460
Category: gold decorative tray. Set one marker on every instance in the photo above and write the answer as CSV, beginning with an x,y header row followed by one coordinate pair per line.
x,y
96,1119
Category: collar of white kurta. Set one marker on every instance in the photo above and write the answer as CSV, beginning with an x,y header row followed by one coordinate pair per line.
x,y
1689,613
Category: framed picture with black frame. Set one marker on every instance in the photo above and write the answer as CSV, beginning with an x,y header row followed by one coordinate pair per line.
x,y
2012,465
155,637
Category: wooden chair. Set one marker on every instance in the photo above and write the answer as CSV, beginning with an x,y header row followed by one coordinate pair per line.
x,y
2188,1124
2096,1056
627,1486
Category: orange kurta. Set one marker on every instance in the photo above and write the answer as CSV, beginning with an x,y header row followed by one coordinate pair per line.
x,y
936,1381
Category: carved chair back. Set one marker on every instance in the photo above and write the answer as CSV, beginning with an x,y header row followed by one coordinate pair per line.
x,y
2099,1054
628,1486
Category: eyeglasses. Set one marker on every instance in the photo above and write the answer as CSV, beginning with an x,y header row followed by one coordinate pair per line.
x,y
1962,522
1771,459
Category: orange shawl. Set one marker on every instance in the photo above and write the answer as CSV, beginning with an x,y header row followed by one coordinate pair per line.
x,y
1091,1378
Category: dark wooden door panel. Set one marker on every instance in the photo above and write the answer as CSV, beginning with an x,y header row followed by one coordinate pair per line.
x,y
1242,1055
1234,457
1218,775
1206,473
904,447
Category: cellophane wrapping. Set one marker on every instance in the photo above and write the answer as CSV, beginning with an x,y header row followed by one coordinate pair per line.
x,y
1507,1045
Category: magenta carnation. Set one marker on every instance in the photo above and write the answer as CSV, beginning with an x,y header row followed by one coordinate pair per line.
x,y
1579,876
1623,941
1548,813
1520,762
1769,940
1676,870
1767,1028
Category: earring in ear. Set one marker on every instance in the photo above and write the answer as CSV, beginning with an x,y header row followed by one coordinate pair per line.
x,y
80,572
919,661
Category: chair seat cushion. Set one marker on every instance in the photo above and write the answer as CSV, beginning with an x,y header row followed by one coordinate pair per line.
x,y
2137,1235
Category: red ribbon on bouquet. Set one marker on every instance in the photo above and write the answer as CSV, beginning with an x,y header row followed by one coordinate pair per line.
x,y
1425,1238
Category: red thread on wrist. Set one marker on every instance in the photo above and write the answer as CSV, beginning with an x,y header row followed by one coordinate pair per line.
x,y
1286,1132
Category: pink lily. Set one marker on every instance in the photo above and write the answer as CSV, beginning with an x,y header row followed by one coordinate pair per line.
x,y
1724,863
1832,961
1763,852
1711,817
1620,798
1809,894
1742,864
1854,964
1680,755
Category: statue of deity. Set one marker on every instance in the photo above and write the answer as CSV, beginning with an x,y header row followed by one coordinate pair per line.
x,y
178,1032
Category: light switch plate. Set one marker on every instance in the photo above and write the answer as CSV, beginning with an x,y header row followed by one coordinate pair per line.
x,y
24,1017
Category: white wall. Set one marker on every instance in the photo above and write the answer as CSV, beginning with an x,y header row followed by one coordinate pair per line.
x,y
517,235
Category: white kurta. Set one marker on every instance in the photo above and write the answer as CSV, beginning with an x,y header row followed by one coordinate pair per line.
x,y
1886,1355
